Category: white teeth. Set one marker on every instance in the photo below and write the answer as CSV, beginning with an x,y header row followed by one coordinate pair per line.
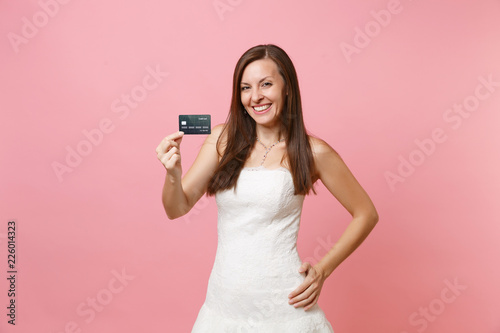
x,y
261,108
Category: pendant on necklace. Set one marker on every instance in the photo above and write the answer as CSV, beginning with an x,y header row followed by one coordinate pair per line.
x,y
267,149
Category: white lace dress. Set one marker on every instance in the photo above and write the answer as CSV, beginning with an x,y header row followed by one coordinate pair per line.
x,y
256,264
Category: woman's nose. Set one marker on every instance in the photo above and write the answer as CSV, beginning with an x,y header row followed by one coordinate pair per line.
x,y
256,95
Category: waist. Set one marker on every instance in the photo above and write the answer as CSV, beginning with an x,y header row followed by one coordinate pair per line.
x,y
256,269
238,298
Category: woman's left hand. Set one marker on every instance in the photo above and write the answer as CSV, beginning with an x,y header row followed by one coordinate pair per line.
x,y
307,293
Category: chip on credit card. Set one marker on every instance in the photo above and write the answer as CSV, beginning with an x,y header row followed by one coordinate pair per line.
x,y
194,123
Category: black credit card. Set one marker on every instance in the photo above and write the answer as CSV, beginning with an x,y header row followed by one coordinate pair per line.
x,y
194,123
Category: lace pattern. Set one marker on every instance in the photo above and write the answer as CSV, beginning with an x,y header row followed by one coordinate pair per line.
x,y
256,263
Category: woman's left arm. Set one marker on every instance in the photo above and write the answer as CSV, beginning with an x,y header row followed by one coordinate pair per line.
x,y
339,180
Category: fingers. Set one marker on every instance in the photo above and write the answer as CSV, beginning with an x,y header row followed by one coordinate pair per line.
x,y
304,267
307,293
314,301
165,146
171,152
175,137
172,140
304,293
170,160
308,298
168,151
169,155
301,288
179,134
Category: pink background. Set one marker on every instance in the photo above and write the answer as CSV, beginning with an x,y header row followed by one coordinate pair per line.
x,y
66,65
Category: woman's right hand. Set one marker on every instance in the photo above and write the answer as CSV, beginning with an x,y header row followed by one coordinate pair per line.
x,y
169,154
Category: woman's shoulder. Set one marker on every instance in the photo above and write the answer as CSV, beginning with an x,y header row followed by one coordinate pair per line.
x,y
320,147
325,157
217,129
218,137
215,133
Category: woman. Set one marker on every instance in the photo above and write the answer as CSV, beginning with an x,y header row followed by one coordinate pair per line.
x,y
260,165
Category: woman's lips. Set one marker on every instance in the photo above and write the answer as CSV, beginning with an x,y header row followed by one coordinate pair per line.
x,y
263,108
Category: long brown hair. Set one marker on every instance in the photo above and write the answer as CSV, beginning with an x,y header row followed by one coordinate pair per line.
x,y
241,134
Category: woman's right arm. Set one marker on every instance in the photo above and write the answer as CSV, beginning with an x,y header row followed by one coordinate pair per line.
x,y
180,194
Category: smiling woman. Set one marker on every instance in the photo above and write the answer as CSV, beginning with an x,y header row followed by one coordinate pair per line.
x,y
267,90
258,282
266,107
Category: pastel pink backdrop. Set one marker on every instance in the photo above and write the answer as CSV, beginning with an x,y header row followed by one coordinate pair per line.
x,y
431,263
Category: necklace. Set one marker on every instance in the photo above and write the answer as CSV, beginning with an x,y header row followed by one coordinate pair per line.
x,y
267,148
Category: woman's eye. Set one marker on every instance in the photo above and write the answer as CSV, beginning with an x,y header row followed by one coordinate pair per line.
x,y
267,84
243,88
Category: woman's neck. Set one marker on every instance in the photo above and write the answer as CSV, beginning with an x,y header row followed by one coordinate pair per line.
x,y
268,136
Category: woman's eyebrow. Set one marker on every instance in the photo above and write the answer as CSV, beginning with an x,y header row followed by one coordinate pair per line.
x,y
259,81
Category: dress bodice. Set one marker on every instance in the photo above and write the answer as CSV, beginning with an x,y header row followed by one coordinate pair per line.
x,y
259,219
256,264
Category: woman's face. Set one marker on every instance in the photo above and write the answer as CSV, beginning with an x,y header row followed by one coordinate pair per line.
x,y
262,90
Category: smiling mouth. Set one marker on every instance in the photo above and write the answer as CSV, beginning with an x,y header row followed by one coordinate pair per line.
x,y
262,108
